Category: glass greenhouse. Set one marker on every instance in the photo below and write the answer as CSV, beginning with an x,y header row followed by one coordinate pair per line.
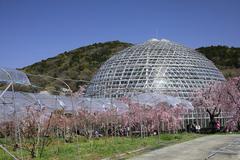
x,y
158,66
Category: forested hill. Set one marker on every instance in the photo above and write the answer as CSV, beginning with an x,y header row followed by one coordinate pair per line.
x,y
82,63
227,59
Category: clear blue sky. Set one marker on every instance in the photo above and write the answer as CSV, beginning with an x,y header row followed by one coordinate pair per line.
x,y
32,30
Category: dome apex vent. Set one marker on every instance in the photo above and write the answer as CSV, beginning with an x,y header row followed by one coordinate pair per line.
x,y
153,40
164,40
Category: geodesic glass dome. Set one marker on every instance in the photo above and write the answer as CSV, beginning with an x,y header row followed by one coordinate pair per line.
x,y
154,66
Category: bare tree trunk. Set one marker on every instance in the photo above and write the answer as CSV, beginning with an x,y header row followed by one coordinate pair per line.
x,y
158,132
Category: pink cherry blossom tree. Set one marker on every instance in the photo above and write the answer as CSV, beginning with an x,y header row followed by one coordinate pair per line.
x,y
152,116
224,96
35,130
230,102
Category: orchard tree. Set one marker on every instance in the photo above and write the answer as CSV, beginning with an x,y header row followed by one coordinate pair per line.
x,y
153,116
34,130
222,96
231,102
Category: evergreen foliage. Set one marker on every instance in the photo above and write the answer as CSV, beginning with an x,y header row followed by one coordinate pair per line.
x,y
227,59
80,64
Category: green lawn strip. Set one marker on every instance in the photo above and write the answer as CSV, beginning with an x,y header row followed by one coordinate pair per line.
x,y
4,156
103,147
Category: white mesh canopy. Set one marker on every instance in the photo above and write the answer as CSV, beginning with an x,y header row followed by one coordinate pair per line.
x,y
153,99
101,104
22,100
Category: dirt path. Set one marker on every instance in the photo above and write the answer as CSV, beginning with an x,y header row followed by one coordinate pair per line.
x,y
214,147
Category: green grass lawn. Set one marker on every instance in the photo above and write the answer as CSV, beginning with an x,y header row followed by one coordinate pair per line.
x,y
100,148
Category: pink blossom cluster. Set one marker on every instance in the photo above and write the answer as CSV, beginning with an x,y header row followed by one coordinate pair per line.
x,y
224,96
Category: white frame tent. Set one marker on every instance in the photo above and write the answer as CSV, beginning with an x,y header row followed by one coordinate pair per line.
x,y
11,77
13,103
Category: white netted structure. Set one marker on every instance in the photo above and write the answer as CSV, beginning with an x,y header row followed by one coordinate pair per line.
x,y
154,66
13,76
54,102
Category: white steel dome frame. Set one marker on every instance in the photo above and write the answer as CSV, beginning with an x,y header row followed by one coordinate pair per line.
x,y
155,66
